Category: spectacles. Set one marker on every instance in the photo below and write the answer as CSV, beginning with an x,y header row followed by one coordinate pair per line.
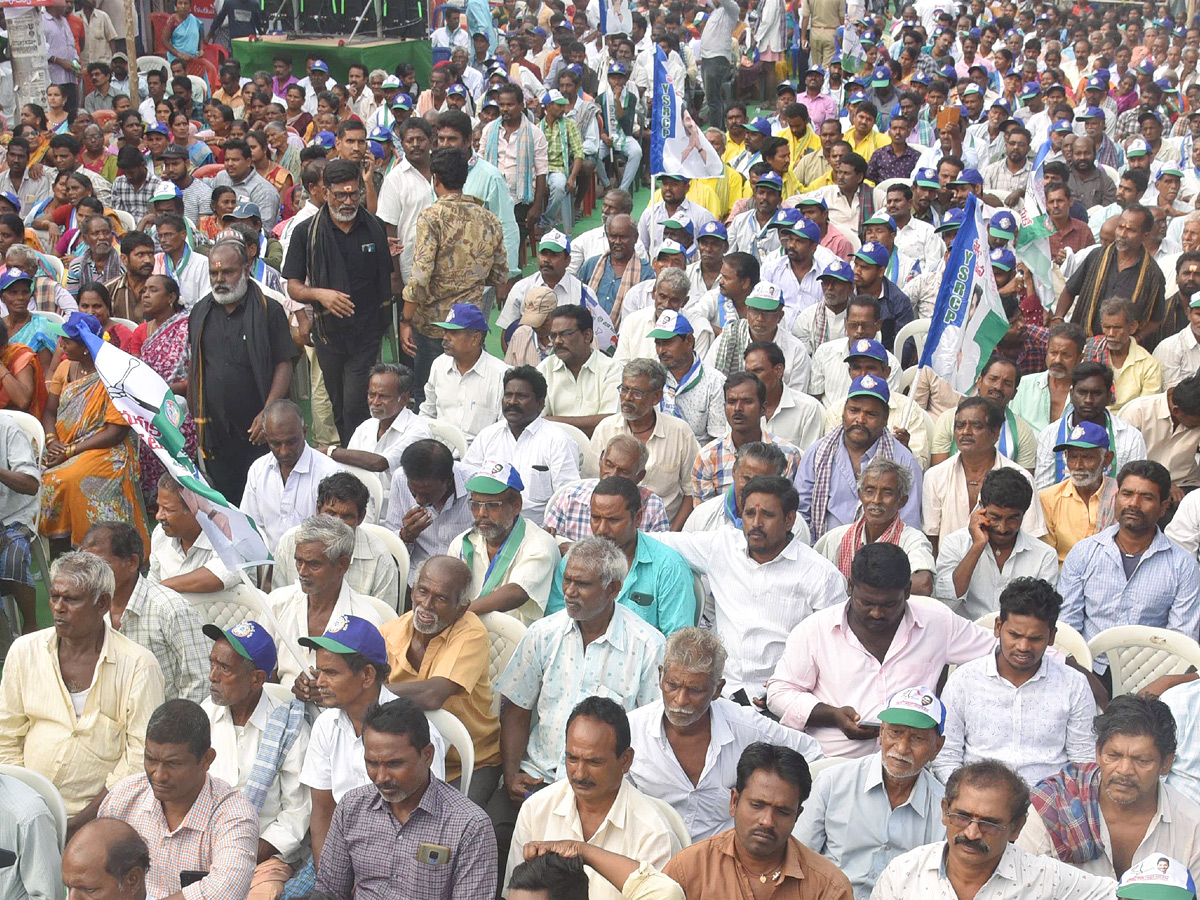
x,y
631,393
352,196
563,335
985,827
485,505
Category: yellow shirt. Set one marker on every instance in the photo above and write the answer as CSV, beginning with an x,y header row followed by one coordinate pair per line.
x,y
81,754
868,145
1140,376
1068,519
732,148
798,146
729,188
459,654
824,181
701,193
673,450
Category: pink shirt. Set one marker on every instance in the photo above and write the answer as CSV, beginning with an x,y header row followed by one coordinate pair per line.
x,y
820,108
824,662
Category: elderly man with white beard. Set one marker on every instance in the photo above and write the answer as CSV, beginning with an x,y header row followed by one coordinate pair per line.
x,y
241,354
1081,505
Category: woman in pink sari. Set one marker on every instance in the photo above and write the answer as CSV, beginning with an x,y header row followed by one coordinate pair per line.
x,y
161,341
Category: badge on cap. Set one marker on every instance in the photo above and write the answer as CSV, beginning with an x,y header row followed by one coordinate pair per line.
x,y
1157,877
868,382
862,346
341,623
242,629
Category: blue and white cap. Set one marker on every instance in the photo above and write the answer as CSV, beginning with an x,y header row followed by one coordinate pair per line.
x,y
807,229
866,347
350,634
1003,259
839,269
495,477
713,228
870,386
554,240
1003,225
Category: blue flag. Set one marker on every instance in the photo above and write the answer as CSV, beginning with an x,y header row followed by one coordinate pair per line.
x,y
677,144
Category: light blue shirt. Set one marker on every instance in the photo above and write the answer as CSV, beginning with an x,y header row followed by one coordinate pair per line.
x,y
28,829
843,486
659,587
849,820
1184,702
485,183
1163,592
552,670
610,281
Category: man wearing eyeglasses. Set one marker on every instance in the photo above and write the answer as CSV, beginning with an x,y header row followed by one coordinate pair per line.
x,y
342,253
985,806
511,559
581,382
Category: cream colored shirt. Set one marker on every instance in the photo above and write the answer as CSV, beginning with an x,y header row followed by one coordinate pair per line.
x,y
830,379
635,826
1179,355
944,498
798,419
1140,376
902,413
1174,831
913,542
168,559
592,393
290,605
81,754
532,568
1172,445
673,450
1026,456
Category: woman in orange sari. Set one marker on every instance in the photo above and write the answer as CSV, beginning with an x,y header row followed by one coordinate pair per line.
x,y
22,386
92,468
260,152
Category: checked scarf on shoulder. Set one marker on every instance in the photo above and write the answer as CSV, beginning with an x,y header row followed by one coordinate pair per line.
x,y
491,152
283,727
1069,804
826,452
630,277
855,537
731,347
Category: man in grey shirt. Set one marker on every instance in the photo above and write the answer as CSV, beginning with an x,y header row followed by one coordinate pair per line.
x,y
239,174
716,61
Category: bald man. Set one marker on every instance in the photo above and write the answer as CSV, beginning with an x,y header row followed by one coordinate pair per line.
x,y
281,487
438,655
106,859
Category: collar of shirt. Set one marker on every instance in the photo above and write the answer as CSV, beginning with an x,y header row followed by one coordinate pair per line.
x,y
615,634
140,597
258,718
303,464
430,803
913,621
1107,540
1009,867
918,797
199,816
617,815
791,860
992,670
719,735
589,364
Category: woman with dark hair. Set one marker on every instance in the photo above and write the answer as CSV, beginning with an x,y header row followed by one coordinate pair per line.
x,y
183,133
224,201
96,300
34,116
58,117
161,341
260,154
22,385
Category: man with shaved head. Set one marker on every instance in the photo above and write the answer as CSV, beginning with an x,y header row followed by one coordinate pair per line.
x,y
611,274
106,859
438,655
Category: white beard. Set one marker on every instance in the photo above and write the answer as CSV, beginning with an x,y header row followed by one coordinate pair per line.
x,y
232,295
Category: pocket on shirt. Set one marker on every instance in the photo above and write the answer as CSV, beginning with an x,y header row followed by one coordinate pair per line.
x,y
106,740
541,485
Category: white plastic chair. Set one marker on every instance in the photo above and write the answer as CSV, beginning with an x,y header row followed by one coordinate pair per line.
x,y
918,330
151,64
504,633
1138,654
126,219
56,264
279,692
880,191
51,316
226,608
827,762
48,792
457,736
199,88
399,552
128,323
589,461
449,434
1067,640
907,377
374,487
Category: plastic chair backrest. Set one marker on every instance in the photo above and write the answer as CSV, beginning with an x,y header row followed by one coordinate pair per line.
x,y
374,486
589,462
449,434
206,70
47,791
504,633
457,736
1067,640
158,24
126,219
827,762
918,330
1138,654
907,377
60,271
199,87
150,62
399,552
128,323
226,608
54,317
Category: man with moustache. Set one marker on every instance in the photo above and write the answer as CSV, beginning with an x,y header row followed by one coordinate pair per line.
x,y
985,806
1082,504
862,815
1177,345
687,744
1089,184
240,362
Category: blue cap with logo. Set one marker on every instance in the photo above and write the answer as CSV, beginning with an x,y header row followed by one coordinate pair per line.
x,y
806,229
952,220
784,87
670,324
759,125
11,276
873,253
870,386
158,128
320,66
13,199
325,139
969,176
350,634
713,229
618,68
1062,126
1004,259
839,269
1087,435
1003,225
404,101
464,317
785,217
770,180
927,178
1030,90
812,200
250,641
245,210
866,347
456,90
495,477
881,77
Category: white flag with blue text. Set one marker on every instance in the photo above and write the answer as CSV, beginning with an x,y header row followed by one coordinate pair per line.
x,y
677,144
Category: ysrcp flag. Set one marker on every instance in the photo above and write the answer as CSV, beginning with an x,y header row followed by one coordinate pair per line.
x,y
677,145
968,318
854,57
145,401
1033,238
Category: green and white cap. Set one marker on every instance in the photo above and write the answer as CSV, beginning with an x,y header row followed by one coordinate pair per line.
x,y
917,707
1157,877
765,296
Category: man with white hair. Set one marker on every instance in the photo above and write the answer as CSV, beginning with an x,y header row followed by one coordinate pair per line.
x,y
48,294
670,292
323,550
240,353
75,699
691,723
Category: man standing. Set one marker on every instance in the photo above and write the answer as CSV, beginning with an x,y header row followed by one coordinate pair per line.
x,y
407,190
241,353
178,261
519,150
1004,181
863,814
716,61
239,173
62,55
339,263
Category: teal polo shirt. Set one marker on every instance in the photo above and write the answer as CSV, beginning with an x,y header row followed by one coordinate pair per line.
x,y
659,587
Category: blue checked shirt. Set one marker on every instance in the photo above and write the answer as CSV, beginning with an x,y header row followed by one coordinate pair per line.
x,y
1164,590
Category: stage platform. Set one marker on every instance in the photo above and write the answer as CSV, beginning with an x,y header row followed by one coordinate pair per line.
x,y
373,53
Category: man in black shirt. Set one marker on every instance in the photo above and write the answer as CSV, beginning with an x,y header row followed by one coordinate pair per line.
x,y
338,261
241,363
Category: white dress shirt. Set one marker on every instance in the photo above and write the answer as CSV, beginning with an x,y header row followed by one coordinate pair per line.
x,y
1030,558
471,400
1018,876
633,336
1184,701
290,606
798,419
276,506
1036,728
334,759
830,378
704,806
569,290
192,278
403,196
283,817
757,604
544,455
407,428
1179,355
917,240
168,559
635,826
